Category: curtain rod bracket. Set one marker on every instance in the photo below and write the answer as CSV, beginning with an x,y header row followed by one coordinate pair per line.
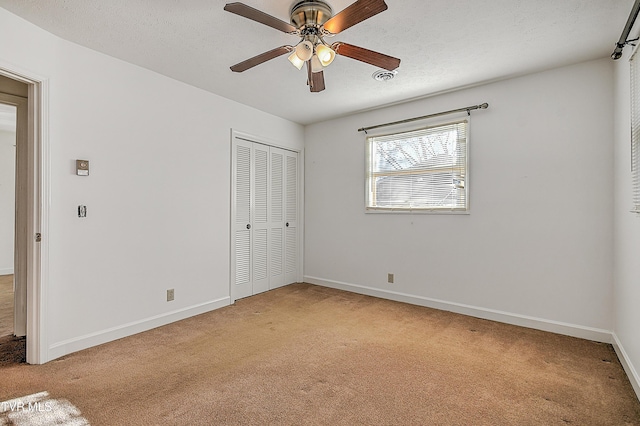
x,y
622,42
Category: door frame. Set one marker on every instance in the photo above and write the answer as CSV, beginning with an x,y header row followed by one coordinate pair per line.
x,y
300,192
38,202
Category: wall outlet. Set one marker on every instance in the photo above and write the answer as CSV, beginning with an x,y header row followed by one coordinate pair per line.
x,y
390,278
170,295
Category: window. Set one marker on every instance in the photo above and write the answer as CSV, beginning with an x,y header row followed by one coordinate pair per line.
x,y
422,170
635,132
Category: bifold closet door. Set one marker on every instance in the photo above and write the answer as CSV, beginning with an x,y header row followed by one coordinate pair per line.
x,y
284,217
277,192
291,217
264,222
241,164
251,226
260,219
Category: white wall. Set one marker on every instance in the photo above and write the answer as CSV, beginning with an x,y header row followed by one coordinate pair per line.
x,y
627,232
7,199
158,194
536,248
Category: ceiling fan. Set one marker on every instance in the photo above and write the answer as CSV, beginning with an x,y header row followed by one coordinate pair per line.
x,y
312,21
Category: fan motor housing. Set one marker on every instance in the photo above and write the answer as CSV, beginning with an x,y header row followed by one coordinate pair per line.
x,y
310,13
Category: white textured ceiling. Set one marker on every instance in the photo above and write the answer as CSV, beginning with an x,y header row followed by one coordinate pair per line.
x,y
443,44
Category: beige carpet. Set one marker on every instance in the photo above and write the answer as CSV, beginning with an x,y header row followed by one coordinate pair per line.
x,y
307,355
6,305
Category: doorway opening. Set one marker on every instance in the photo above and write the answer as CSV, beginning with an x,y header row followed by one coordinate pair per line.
x,y
8,122
13,217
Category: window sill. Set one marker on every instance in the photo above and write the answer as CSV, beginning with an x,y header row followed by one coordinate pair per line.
x,y
416,211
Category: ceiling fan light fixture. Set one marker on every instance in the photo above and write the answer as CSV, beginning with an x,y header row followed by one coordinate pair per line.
x,y
304,50
311,20
297,62
325,54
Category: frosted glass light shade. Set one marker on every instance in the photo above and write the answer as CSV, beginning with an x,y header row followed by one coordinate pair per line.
x,y
325,54
304,50
297,62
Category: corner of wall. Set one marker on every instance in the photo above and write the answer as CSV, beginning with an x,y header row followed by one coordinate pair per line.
x,y
634,378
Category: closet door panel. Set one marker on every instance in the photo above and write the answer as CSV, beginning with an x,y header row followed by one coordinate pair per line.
x,y
260,225
277,217
241,279
291,217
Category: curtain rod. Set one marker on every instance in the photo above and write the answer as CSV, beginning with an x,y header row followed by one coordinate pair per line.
x,y
408,120
617,53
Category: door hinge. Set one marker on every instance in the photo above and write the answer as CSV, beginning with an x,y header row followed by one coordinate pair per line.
x,y
38,237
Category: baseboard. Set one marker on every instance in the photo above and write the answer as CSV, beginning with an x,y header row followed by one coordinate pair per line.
x,y
589,333
6,271
66,347
634,378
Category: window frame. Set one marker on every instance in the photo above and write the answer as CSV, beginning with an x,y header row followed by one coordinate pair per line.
x,y
369,175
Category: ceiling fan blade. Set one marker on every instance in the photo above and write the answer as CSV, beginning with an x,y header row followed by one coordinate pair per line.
x,y
263,57
316,79
354,14
259,16
365,55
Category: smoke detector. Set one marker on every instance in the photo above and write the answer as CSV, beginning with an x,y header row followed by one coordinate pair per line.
x,y
384,75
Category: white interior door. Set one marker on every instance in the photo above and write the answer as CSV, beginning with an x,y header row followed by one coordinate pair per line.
x,y
264,243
